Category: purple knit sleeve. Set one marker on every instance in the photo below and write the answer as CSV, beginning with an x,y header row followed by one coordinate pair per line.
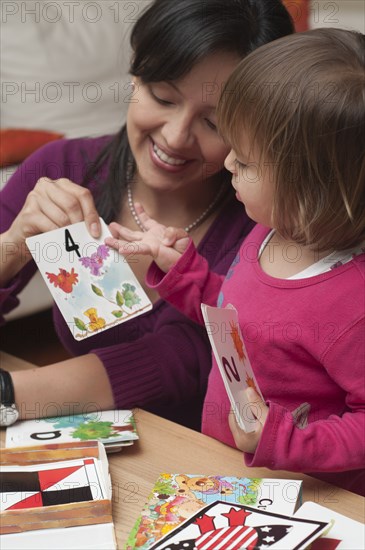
x,y
62,158
12,199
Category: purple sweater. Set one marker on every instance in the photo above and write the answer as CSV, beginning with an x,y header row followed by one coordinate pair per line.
x,y
305,340
159,361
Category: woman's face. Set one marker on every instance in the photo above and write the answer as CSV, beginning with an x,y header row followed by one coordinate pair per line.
x,y
172,125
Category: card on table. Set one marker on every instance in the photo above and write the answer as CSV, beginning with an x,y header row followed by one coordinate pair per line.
x,y
115,429
36,486
176,497
344,533
230,353
234,526
56,496
92,284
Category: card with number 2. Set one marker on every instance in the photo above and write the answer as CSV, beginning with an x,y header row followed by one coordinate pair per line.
x,y
230,352
92,284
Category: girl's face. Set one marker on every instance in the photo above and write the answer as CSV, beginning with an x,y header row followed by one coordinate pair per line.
x,y
172,126
253,180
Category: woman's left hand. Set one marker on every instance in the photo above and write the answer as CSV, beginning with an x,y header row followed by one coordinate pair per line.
x,y
248,441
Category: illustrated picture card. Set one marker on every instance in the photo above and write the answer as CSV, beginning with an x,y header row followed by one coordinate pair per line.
x,y
92,284
36,486
177,496
222,525
113,428
231,355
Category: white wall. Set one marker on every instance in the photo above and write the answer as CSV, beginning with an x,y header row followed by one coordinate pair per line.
x,y
345,14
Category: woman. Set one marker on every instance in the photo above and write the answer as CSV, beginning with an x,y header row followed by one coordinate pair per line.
x,y
170,158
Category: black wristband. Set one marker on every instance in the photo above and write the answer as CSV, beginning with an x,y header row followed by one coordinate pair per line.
x,y
7,396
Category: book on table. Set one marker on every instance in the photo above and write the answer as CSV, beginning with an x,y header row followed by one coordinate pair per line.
x,y
45,489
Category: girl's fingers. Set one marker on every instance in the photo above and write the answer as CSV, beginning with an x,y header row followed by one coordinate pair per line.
x,y
233,425
127,248
143,216
173,234
127,234
258,407
147,222
181,245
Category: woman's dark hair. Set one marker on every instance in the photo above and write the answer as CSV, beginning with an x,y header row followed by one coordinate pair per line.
x,y
169,38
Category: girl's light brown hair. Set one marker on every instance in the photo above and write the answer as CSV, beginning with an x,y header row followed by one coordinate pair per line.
x,y
301,100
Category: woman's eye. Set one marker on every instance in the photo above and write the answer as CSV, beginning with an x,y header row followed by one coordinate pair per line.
x,y
211,124
160,100
240,164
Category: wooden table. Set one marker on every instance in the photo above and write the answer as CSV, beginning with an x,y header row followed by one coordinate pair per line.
x,y
168,447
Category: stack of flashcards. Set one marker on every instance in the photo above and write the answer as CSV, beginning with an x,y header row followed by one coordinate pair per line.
x,y
93,285
45,489
115,429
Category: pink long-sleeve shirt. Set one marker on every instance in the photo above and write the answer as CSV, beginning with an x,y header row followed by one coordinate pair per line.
x,y
306,343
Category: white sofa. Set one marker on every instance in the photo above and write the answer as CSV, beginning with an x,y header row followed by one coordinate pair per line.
x,y
64,68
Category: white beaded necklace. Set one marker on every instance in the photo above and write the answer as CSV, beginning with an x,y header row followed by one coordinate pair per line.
x,y
189,227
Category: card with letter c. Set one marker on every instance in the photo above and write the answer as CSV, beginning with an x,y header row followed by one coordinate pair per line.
x,y
232,359
92,284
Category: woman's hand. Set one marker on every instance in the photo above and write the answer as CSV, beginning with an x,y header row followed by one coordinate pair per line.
x,y
247,442
50,205
165,245
53,204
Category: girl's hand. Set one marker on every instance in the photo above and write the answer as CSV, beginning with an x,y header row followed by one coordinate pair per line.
x,y
247,442
53,204
165,245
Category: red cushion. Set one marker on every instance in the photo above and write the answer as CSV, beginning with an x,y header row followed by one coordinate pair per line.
x,y
17,144
299,10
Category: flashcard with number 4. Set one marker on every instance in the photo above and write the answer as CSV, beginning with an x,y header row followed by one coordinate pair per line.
x,y
230,353
92,285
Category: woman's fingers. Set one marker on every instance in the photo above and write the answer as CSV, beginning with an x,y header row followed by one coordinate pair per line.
x,y
75,202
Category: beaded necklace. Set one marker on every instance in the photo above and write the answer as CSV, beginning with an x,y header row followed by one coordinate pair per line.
x,y
199,220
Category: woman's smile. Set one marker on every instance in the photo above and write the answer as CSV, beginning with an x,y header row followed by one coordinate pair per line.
x,y
162,159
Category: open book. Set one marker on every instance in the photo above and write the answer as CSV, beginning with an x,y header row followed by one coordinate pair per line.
x,y
45,489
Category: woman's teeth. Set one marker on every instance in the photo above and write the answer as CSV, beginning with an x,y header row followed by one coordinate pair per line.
x,y
165,158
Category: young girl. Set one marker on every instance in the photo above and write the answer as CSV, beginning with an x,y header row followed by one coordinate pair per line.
x,y
293,113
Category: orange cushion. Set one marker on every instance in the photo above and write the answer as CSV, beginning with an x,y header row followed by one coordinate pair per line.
x,y
299,10
17,144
